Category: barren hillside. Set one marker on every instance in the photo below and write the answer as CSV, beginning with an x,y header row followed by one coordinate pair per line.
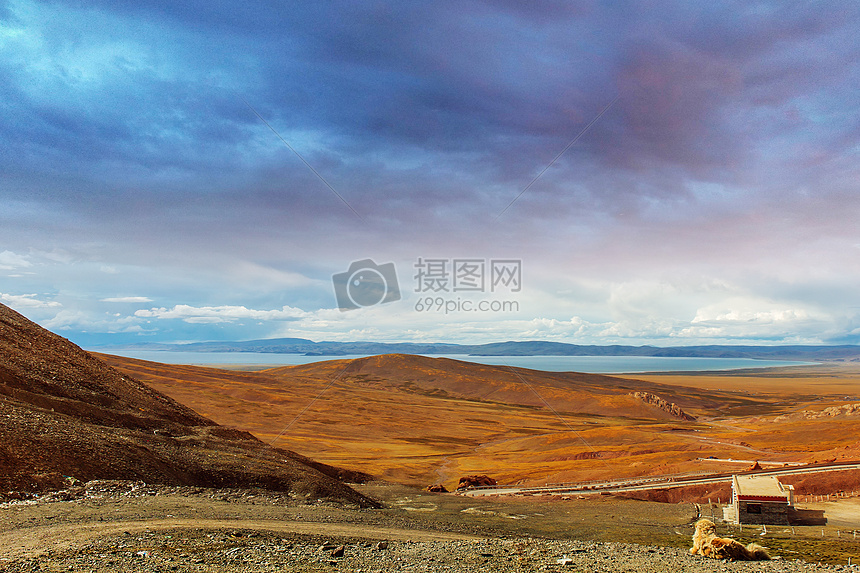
x,y
443,377
65,413
415,419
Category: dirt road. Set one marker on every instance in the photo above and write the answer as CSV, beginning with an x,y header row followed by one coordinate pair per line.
x,y
36,541
132,528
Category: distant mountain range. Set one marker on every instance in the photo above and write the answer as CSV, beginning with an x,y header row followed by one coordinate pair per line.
x,y
530,348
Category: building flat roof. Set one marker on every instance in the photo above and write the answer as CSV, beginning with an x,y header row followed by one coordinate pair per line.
x,y
759,488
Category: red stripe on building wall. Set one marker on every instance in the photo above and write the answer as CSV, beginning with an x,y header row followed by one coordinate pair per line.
x,y
762,498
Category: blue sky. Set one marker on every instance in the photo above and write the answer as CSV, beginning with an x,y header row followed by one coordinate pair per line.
x,y
714,200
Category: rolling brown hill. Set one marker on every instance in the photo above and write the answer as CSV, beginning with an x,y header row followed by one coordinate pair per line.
x,y
421,420
64,412
570,392
416,419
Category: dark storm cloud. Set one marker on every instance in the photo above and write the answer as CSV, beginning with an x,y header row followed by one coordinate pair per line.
x,y
376,77
126,132
436,75
148,96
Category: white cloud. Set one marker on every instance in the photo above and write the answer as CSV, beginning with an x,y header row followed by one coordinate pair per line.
x,y
27,300
752,311
127,299
10,261
755,318
218,314
83,321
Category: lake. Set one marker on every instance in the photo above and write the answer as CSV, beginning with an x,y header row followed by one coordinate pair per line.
x,y
590,364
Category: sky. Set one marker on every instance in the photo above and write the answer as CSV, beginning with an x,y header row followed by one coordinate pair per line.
x,y
654,172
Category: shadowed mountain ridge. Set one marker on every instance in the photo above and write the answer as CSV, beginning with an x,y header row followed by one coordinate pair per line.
x,y
64,412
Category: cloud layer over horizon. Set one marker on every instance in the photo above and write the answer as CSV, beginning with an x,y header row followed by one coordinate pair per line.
x,y
714,200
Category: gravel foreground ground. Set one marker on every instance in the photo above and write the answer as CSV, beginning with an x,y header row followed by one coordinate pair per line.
x,y
246,551
132,527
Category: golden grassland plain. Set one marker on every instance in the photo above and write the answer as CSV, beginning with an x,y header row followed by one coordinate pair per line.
x,y
418,420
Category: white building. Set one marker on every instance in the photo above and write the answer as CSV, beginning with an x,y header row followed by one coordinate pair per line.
x,y
761,499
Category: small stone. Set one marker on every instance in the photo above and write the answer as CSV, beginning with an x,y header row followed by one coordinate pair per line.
x,y
382,546
338,551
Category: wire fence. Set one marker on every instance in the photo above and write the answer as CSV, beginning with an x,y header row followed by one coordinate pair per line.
x,y
670,480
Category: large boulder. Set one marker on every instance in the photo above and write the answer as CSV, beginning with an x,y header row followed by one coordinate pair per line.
x,y
475,481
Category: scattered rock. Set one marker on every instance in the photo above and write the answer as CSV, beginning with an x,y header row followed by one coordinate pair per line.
x,y
668,407
475,481
191,550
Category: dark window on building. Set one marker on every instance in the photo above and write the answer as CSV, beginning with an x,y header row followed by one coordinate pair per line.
x,y
753,508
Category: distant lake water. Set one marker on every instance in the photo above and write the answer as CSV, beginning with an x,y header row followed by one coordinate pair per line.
x,y
590,364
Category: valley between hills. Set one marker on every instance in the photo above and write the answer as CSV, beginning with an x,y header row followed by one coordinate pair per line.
x,y
421,421
110,463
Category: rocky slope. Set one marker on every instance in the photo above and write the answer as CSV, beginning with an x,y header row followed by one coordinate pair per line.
x,y
66,414
661,404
